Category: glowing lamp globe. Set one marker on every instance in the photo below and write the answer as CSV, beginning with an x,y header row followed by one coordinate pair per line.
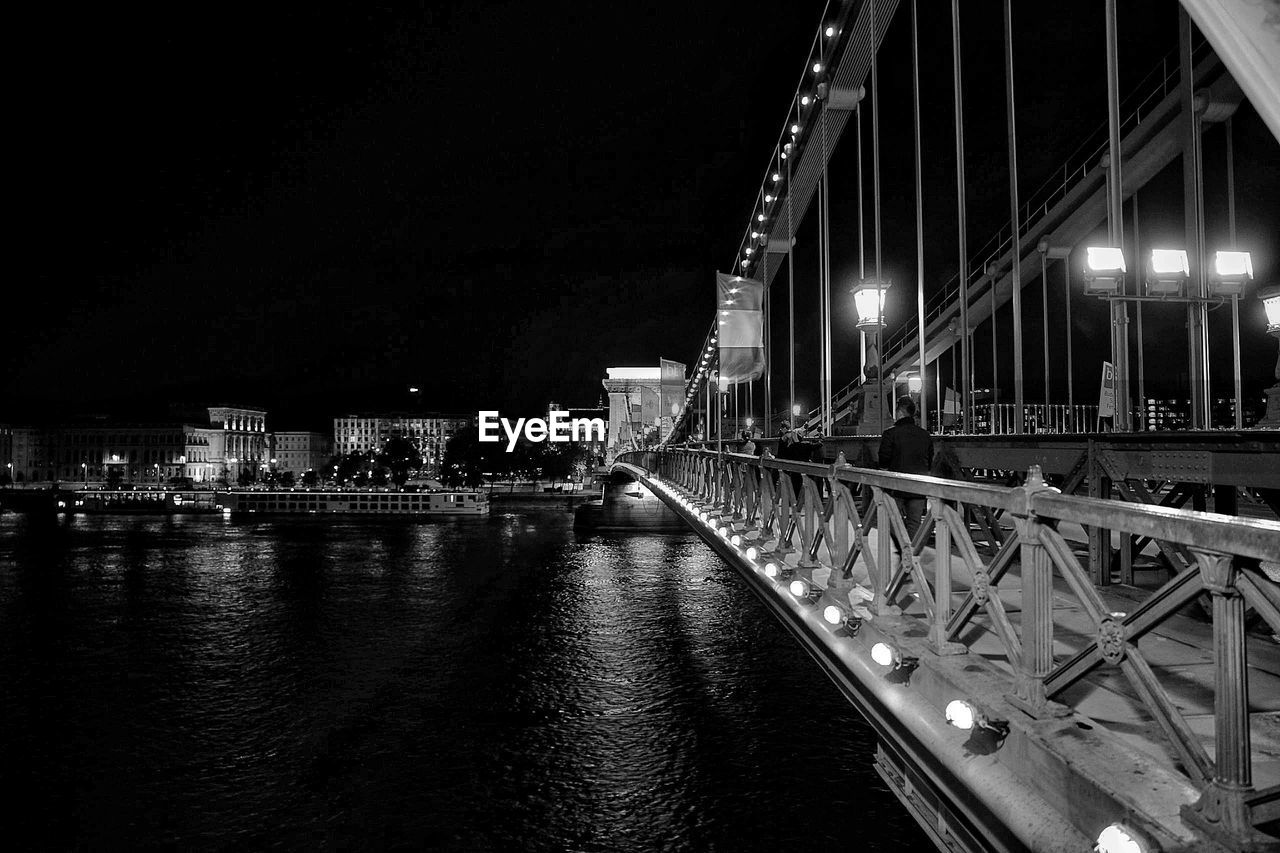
x,y
868,301
1117,838
832,615
752,553
799,588
771,570
1270,297
883,654
961,714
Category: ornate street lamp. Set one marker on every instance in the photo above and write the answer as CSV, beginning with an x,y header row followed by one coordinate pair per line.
x,y
1270,296
1103,271
868,301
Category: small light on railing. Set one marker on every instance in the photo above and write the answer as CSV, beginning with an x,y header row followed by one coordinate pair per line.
x,y
771,569
753,552
735,540
832,614
961,714
1118,838
799,588
884,654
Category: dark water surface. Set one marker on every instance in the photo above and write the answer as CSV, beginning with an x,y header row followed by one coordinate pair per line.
x,y
488,684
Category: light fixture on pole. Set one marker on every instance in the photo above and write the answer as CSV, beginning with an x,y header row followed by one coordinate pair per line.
x,y
868,301
1104,270
914,383
1231,271
1270,296
1167,272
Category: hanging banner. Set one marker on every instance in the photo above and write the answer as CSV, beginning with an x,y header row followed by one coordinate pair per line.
x,y
740,326
670,392
1107,396
951,408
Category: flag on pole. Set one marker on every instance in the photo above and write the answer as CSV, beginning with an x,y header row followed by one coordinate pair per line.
x,y
670,393
740,319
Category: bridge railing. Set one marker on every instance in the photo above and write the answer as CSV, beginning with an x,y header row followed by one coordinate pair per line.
x,y
1059,419
804,517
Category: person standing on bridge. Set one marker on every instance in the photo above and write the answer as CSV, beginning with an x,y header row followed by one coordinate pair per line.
x,y
907,448
792,449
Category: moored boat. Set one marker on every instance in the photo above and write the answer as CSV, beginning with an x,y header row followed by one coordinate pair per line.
x,y
354,501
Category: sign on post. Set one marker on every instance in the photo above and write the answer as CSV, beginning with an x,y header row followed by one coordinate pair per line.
x,y
1107,396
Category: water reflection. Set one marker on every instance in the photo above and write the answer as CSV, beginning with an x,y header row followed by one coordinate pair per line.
x,y
473,684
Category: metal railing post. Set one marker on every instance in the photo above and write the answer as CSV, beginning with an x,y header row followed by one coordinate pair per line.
x,y
1223,809
1037,599
880,604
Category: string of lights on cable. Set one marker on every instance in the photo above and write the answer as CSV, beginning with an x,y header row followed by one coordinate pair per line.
x,y
806,104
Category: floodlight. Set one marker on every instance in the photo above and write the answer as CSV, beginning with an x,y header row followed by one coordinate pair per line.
x,y
1168,272
1104,270
1231,271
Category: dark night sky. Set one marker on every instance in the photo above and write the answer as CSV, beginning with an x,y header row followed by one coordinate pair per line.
x,y
313,208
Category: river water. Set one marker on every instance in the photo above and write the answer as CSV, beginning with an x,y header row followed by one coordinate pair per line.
x,y
467,684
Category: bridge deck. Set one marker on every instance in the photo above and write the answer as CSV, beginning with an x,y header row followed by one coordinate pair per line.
x,y
1096,701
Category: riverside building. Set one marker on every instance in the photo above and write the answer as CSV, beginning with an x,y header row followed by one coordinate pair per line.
x,y
428,433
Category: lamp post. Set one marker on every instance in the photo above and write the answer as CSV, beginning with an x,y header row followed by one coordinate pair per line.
x,y
1231,271
868,301
1270,296
156,466
1104,273
84,471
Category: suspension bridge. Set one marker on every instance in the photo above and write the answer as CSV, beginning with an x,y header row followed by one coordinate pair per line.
x,y
1077,649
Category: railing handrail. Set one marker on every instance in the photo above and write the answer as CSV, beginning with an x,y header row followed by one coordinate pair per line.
x,y
1243,537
